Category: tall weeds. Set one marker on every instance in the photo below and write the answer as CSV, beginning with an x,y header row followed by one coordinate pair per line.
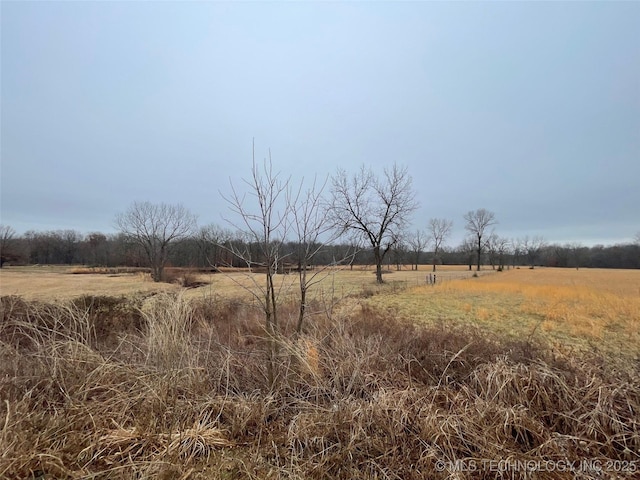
x,y
171,388
169,319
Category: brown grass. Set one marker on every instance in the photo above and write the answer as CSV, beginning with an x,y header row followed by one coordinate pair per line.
x,y
586,309
48,283
178,389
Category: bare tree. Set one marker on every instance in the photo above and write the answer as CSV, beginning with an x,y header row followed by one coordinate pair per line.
x,y
6,238
418,243
497,247
516,251
478,222
439,231
636,239
213,246
377,209
312,233
96,242
503,247
155,228
69,240
264,224
468,249
532,248
491,247
577,251
399,251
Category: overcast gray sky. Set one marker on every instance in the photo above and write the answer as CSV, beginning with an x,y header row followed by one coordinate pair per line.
x,y
530,110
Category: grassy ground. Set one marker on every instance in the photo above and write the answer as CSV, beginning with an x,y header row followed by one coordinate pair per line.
x,y
63,282
586,309
403,381
49,283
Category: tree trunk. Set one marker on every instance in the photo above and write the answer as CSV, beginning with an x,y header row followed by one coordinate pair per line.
x,y
271,322
377,255
303,296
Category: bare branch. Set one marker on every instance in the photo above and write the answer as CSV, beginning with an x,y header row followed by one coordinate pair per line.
x,y
377,209
478,222
439,231
154,228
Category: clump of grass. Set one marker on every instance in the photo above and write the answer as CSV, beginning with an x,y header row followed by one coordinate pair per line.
x,y
184,277
362,394
168,321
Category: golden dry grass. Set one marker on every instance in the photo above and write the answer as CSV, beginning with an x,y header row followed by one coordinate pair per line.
x,y
62,282
588,308
571,308
58,283
334,283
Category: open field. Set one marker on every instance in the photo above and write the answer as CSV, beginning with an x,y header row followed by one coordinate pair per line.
x,y
587,309
402,381
571,308
62,282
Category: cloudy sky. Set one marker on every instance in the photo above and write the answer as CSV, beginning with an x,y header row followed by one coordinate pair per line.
x,y
530,110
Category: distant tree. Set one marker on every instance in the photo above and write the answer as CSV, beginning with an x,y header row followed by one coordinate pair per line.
x,y
439,231
558,255
503,247
7,235
40,246
532,248
468,250
69,241
97,242
155,228
497,247
213,243
399,251
378,209
569,255
636,239
417,243
478,222
490,247
351,251
516,251
119,250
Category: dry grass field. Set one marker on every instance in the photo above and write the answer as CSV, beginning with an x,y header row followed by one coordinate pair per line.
x,y
522,374
50,283
588,308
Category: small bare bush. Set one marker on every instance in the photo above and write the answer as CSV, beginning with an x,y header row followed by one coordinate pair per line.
x,y
185,277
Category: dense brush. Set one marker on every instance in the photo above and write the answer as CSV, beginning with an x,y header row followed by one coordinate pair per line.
x,y
167,388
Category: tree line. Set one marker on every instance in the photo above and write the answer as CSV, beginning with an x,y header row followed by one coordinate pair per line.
x,y
210,246
280,225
